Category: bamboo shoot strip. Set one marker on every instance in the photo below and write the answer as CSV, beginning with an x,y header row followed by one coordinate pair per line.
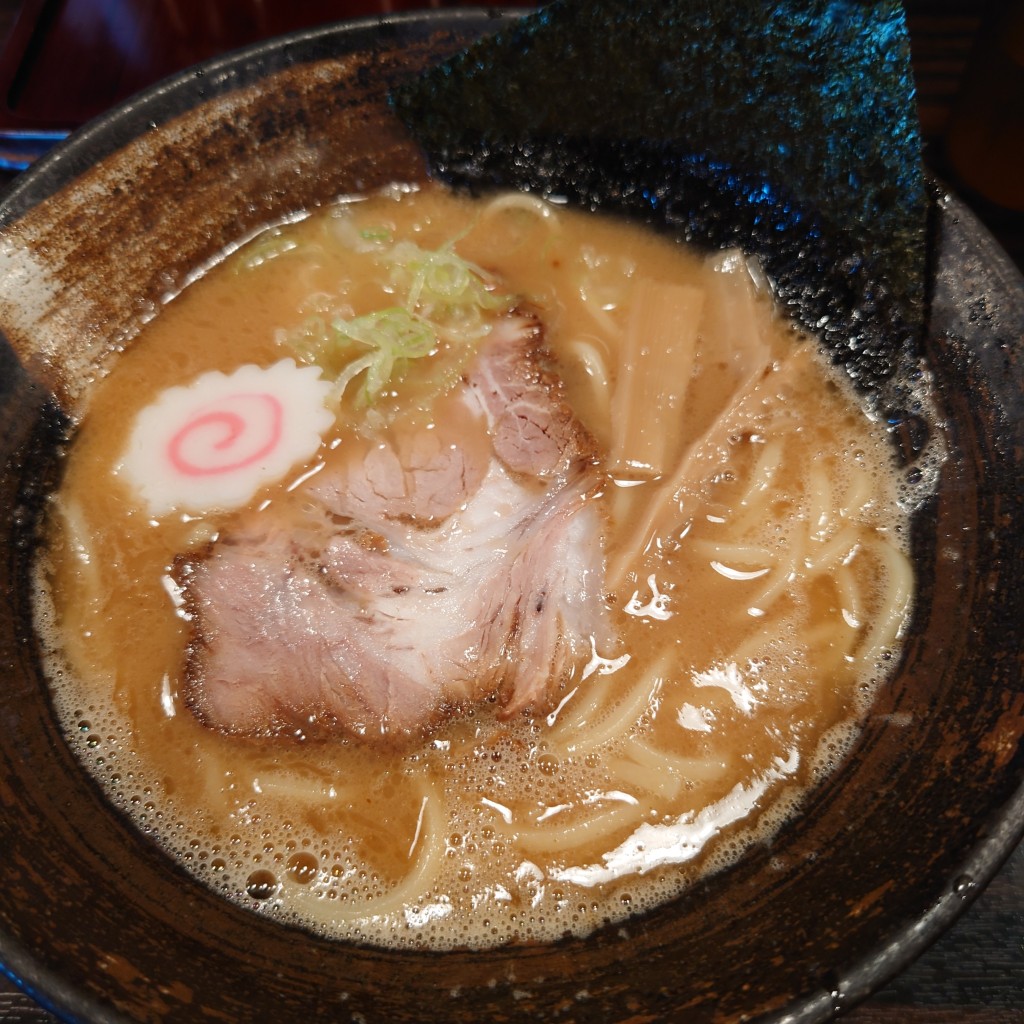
x,y
655,367
731,323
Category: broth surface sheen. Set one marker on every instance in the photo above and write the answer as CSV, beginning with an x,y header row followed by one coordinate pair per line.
x,y
757,581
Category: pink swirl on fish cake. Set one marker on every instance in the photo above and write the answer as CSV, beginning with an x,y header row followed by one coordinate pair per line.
x,y
196,447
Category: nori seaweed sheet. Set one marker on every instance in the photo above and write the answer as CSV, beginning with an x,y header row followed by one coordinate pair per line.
x,y
788,129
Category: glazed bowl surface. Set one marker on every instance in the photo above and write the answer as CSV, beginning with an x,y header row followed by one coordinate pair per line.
x,y
101,925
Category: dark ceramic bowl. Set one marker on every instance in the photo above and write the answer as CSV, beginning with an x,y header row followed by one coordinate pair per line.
x,y
102,926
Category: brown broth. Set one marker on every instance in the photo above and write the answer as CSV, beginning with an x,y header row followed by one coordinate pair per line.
x,y
752,629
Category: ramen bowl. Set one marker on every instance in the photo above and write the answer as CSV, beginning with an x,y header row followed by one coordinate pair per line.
x,y
101,925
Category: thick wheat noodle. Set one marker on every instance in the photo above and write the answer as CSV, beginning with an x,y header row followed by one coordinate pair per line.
x,y
580,735
429,855
77,537
849,594
827,631
600,693
611,724
664,785
786,571
858,495
519,201
291,787
752,503
584,350
217,797
585,704
417,882
670,490
558,837
846,544
733,554
763,634
693,769
831,648
886,620
298,787
601,317
891,613
824,555
818,493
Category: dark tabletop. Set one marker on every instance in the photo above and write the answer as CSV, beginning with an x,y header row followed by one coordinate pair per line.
x,y
975,973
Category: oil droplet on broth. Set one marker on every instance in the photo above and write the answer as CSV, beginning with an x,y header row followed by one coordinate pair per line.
x,y
262,884
302,868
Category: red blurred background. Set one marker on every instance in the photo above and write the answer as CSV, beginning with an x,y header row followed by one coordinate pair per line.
x,y
68,60
65,61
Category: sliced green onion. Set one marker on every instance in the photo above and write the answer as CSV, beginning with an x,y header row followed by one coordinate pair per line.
x,y
394,334
441,284
444,299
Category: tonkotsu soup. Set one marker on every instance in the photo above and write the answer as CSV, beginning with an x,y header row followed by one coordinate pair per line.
x,y
546,679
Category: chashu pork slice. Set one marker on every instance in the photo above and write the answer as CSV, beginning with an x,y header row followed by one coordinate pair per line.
x,y
423,570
